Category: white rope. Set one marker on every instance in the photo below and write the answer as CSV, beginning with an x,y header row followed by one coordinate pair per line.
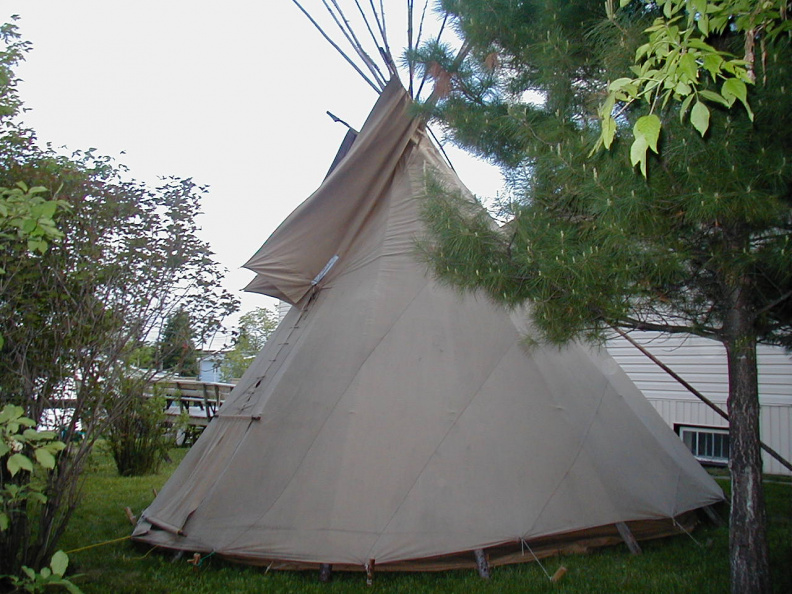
x,y
525,545
682,528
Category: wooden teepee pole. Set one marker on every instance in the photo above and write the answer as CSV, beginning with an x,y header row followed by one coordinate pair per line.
x,y
346,29
384,28
365,17
379,18
410,45
378,89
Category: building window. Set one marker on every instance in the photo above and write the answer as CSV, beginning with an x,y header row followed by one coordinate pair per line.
x,y
708,444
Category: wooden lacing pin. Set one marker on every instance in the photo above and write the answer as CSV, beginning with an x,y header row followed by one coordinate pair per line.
x,y
369,572
130,516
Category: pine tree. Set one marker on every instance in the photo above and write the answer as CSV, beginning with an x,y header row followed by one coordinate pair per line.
x,y
700,246
176,349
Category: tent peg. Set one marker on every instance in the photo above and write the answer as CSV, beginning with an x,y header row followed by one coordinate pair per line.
x,y
369,567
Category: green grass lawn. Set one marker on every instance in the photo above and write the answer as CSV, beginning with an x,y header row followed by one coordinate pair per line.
x,y
678,564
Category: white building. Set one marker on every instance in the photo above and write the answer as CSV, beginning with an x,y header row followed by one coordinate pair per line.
x,y
209,370
702,363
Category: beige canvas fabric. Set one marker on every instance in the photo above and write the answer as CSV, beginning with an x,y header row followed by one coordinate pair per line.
x,y
393,419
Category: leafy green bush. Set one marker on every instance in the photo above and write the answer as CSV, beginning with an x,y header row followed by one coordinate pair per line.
x,y
38,581
137,437
22,449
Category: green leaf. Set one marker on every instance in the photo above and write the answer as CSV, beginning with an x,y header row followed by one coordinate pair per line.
x,y
619,84
688,66
608,131
37,497
735,88
648,127
638,153
33,435
732,89
607,107
37,245
718,24
703,25
647,132
48,209
4,521
685,106
10,411
700,117
700,44
712,96
641,52
44,458
19,462
59,563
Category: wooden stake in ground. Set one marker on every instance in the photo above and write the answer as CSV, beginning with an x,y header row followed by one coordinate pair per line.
x,y
482,564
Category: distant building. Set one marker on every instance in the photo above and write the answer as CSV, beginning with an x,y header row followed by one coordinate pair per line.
x,y
209,366
283,309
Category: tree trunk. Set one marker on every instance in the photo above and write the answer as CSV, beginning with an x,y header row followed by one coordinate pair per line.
x,y
750,571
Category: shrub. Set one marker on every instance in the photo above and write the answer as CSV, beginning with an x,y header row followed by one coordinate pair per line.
x,y
137,437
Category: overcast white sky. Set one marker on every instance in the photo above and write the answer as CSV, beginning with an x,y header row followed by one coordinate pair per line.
x,y
231,93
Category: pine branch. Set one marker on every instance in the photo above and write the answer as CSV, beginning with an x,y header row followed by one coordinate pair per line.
x,y
633,324
773,304
437,40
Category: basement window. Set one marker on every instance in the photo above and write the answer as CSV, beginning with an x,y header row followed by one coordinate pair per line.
x,y
710,445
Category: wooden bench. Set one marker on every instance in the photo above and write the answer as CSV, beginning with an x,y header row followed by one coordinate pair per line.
x,y
200,400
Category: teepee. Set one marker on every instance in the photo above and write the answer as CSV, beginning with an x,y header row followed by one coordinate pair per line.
x,y
392,421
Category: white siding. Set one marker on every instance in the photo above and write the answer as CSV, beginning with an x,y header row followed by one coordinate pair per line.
x,y
283,309
210,368
702,363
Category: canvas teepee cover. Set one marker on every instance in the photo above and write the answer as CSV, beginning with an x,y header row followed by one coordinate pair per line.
x,y
391,419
